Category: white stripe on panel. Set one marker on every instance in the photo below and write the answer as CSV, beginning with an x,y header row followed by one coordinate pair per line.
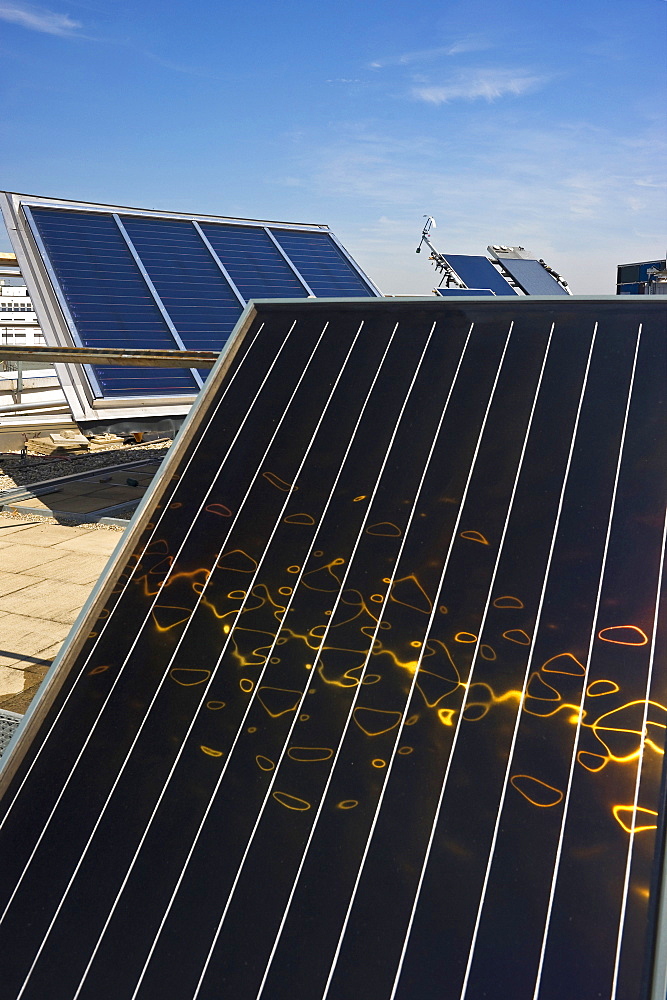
x,y
640,762
214,672
166,672
305,691
423,648
148,616
575,745
529,663
292,596
358,688
460,718
147,545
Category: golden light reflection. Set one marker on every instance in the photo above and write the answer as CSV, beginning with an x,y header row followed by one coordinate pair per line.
x,y
348,803
210,751
624,635
536,791
474,536
279,483
189,676
309,754
507,601
375,721
291,801
640,823
564,663
517,635
596,689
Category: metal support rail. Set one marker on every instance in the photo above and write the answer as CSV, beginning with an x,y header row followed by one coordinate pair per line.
x,y
137,358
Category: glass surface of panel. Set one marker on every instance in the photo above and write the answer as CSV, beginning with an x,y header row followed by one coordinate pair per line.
x,y
108,299
447,293
373,703
254,262
317,258
479,272
532,277
191,286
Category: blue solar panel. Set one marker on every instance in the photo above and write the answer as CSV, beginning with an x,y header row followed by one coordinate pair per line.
x,y
452,292
254,262
193,289
128,279
318,259
479,272
532,277
108,299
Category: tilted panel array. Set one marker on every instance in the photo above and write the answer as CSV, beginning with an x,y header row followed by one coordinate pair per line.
x,y
479,272
373,703
531,276
130,280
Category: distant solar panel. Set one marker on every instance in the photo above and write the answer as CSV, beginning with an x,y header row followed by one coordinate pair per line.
x,y
448,293
479,272
371,702
117,277
532,277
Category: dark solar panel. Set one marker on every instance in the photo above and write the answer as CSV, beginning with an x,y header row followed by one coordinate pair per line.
x,y
358,711
479,272
532,277
325,268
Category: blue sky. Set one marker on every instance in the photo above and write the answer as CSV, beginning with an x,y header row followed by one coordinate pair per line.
x,y
530,123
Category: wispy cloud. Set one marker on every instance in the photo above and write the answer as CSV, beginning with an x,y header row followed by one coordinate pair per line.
x,y
484,84
471,43
38,18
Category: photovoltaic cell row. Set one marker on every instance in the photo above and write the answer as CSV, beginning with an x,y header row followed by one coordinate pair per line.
x,y
108,299
479,272
373,704
254,262
326,270
98,269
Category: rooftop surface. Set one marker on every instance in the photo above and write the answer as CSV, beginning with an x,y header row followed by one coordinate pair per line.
x,y
47,571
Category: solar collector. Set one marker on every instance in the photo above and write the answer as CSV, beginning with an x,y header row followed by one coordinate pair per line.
x,y
500,490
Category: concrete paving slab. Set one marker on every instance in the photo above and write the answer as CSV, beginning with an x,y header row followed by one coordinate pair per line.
x,y
47,602
49,534
9,525
17,557
11,582
71,567
29,641
95,542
